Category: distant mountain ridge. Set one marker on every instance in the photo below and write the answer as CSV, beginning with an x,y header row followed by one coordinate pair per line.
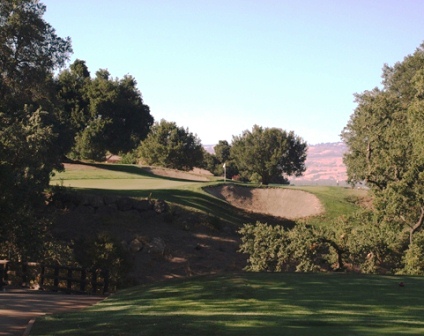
x,y
324,165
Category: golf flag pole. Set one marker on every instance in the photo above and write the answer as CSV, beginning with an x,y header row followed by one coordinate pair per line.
x,y
225,173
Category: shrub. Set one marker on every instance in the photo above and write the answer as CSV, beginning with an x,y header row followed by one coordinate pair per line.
x,y
412,260
106,253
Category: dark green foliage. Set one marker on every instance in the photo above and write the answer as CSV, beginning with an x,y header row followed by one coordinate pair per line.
x,y
274,248
267,247
74,114
30,51
222,151
120,103
105,114
90,142
355,243
385,142
210,162
215,162
413,262
269,153
171,146
104,252
129,158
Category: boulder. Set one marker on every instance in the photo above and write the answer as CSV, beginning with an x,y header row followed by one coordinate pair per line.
x,y
142,205
160,206
157,246
135,246
124,203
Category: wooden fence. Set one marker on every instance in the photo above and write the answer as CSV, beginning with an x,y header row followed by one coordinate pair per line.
x,y
55,277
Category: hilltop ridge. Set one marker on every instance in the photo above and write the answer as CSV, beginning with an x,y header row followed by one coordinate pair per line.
x,y
324,164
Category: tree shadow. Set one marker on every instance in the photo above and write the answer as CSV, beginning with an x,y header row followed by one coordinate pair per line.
x,y
133,170
201,201
258,304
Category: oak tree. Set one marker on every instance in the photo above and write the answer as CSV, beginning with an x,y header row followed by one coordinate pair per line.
x,y
385,143
270,153
30,51
171,146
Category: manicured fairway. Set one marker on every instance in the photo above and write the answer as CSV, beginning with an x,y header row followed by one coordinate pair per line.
x,y
254,304
129,184
115,177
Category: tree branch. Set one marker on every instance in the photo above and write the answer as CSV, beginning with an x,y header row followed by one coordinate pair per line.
x,y
417,225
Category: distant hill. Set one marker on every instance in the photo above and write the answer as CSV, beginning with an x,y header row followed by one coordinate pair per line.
x,y
209,148
324,165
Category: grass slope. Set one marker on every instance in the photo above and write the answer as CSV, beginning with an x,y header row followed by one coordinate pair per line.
x,y
337,201
133,181
254,304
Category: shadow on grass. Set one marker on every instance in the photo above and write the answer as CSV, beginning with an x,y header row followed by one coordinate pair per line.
x,y
133,170
255,304
200,201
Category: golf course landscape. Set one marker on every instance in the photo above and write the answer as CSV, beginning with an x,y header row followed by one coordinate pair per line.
x,y
230,301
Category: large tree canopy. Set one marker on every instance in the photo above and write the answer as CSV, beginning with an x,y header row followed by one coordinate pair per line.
x,y
105,114
269,153
170,146
385,143
29,53
222,156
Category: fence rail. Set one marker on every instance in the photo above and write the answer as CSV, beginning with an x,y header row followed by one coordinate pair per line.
x,y
55,277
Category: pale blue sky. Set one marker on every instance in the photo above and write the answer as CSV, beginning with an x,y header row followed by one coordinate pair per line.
x,y
218,67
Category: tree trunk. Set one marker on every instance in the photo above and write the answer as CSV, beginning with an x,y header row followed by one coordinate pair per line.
x,y
417,225
338,250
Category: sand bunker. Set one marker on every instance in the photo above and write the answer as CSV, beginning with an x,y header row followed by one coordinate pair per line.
x,y
279,202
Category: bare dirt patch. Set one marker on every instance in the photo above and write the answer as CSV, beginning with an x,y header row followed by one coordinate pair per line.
x,y
180,245
278,202
196,174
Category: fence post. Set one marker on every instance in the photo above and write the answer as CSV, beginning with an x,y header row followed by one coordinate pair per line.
x,y
105,281
6,272
3,274
24,274
94,280
83,280
69,280
43,270
56,278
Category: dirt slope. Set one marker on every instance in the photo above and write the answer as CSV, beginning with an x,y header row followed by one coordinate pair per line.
x,y
286,203
196,174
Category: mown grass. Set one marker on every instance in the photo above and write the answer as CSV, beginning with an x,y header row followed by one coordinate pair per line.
x,y
337,201
248,303
254,304
133,181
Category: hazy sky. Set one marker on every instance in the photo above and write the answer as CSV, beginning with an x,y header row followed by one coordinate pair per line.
x,y
218,67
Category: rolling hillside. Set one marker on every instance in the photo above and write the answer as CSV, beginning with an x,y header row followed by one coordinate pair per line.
x,y
324,165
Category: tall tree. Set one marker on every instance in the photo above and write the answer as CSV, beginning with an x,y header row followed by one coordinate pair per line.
x,y
125,119
30,51
269,153
223,157
222,151
74,114
385,143
170,146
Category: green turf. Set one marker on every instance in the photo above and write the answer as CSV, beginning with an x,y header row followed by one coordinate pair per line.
x,y
131,180
254,304
337,201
